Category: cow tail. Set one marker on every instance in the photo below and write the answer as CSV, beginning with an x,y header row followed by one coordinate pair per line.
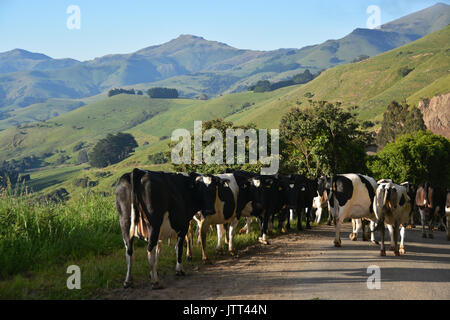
x,y
135,176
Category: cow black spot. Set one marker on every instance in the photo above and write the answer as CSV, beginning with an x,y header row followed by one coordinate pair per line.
x,y
369,189
226,196
402,200
343,190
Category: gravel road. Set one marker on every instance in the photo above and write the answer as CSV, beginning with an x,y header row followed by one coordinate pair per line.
x,y
307,266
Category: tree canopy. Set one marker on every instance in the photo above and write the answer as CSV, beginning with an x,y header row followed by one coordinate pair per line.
x,y
399,119
322,139
417,158
162,93
112,149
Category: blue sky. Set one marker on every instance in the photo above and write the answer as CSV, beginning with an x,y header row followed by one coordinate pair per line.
x,y
126,26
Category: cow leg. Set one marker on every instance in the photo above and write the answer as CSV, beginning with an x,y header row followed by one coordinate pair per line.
x,y
372,232
319,214
382,232
308,217
391,235
299,219
125,225
396,233
153,250
422,220
129,257
337,229
246,229
231,231
402,240
179,252
220,231
189,241
365,223
357,225
202,233
330,218
265,222
430,225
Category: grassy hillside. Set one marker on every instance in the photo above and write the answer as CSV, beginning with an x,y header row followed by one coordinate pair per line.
x,y
195,65
373,83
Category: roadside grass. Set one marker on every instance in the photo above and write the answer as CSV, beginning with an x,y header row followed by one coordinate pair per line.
x,y
38,241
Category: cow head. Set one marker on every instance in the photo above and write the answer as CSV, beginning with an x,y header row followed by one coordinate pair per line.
x,y
255,190
206,187
289,191
386,200
323,186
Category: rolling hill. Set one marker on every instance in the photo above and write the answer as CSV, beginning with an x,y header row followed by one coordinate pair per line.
x,y
370,84
191,64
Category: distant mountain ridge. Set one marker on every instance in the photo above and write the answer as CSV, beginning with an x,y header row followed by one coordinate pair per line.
x,y
194,65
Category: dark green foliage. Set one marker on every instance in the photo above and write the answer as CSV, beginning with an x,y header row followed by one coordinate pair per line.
x,y
360,58
112,149
157,158
265,85
84,182
309,95
102,174
22,165
62,159
404,71
163,93
8,176
117,91
261,86
399,119
59,195
78,146
304,77
418,157
323,139
367,124
222,126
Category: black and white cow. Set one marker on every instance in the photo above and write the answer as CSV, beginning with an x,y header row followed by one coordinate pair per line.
x,y
267,192
156,206
289,201
302,191
392,207
225,209
351,196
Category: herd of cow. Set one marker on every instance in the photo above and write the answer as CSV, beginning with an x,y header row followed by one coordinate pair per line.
x,y
156,206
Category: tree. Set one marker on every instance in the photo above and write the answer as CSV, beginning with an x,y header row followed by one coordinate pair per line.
x,y
262,86
222,126
304,77
112,149
399,119
417,158
322,139
162,93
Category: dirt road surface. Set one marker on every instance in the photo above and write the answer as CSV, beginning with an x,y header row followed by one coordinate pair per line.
x,y
307,266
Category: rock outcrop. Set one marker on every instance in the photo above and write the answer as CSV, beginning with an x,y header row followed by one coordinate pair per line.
x,y
436,114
